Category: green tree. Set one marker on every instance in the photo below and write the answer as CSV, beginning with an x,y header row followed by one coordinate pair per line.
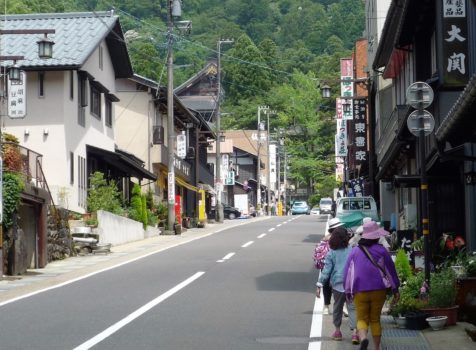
x,y
103,194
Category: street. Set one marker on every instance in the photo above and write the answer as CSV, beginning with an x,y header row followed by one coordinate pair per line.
x,y
247,287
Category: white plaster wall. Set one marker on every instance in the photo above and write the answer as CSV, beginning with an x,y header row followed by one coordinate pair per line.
x,y
134,118
116,229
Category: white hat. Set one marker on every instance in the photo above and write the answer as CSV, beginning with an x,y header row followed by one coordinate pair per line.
x,y
334,223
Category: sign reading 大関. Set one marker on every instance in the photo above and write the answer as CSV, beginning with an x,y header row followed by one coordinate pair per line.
x,y
453,41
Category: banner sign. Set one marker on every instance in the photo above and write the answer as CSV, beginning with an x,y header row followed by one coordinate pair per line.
x,y
359,128
357,187
17,97
454,43
347,85
339,112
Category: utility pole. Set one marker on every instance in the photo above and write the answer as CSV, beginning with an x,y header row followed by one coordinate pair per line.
x,y
268,165
175,7
219,210
258,191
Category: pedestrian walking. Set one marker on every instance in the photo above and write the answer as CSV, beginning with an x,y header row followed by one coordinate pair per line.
x,y
333,272
320,252
368,273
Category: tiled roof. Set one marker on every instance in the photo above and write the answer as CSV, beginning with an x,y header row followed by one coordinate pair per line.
x,y
76,37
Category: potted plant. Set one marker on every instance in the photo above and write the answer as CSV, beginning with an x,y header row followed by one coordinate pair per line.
x,y
442,295
466,290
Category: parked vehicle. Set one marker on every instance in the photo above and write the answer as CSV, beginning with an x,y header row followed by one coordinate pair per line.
x,y
366,206
231,212
315,210
300,207
326,206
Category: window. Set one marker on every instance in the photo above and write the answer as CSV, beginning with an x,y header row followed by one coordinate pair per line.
x,y
41,84
108,113
82,182
83,96
82,99
100,57
95,102
71,168
71,85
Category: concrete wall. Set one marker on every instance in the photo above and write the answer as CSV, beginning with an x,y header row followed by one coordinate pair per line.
x,y
118,230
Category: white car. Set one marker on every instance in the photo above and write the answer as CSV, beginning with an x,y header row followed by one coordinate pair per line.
x,y
315,210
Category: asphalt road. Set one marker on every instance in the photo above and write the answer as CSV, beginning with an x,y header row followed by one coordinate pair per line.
x,y
248,287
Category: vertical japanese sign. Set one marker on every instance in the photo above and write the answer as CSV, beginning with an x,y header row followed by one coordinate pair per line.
x,y
454,43
17,97
181,145
359,125
339,113
341,139
272,164
347,85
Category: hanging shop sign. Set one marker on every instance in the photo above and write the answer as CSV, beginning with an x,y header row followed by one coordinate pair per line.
x,y
17,97
359,128
453,41
347,86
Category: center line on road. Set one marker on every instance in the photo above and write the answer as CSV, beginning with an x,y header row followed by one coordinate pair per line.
x,y
139,312
262,235
226,257
278,225
271,229
247,244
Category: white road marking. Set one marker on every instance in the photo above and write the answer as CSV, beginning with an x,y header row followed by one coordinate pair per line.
x,y
226,257
316,325
247,244
139,312
278,225
262,235
271,229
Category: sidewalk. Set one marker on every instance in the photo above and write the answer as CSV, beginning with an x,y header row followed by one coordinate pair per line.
x,y
61,271
394,338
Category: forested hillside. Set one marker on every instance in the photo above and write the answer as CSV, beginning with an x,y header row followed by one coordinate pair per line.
x,y
281,49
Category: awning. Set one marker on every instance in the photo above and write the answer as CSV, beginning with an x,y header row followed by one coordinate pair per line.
x,y
207,188
121,161
185,184
459,122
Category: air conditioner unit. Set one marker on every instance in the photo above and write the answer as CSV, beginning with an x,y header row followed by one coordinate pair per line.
x,y
410,213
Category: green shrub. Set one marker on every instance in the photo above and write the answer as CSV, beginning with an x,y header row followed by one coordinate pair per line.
x,y
144,211
135,211
103,195
402,265
13,186
442,288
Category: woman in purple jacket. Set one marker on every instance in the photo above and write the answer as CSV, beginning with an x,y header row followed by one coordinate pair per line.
x,y
368,272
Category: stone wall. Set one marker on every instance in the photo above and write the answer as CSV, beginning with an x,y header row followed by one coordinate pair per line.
x,y
59,241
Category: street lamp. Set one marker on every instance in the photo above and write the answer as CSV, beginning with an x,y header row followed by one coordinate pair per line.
x,y
219,210
421,123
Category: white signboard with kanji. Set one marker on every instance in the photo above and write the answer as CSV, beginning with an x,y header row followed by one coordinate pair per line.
x,y
17,97
181,145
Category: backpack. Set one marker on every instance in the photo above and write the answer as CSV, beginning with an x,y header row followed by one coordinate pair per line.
x,y
320,252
